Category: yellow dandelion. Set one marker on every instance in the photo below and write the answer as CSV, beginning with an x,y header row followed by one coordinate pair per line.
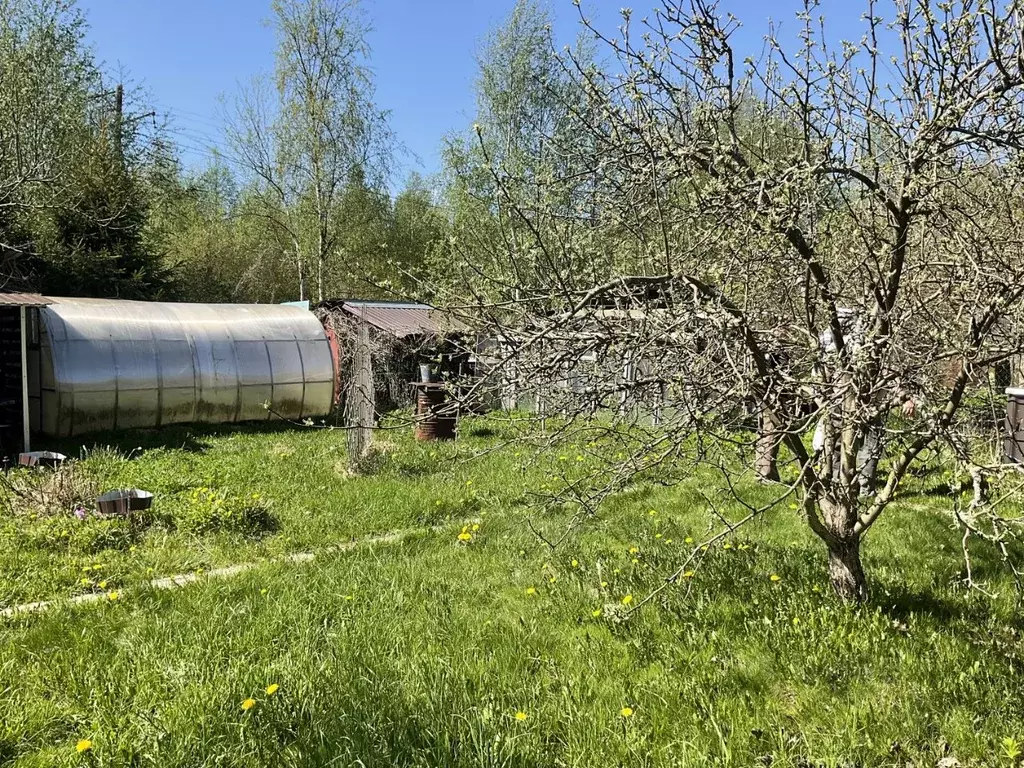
x,y
743,547
634,550
775,577
796,620
272,689
688,540
727,545
636,561
668,541
469,482
657,535
531,590
596,613
476,527
688,575
552,579
626,711
627,599
84,745
248,704
263,591
520,715
575,563
653,512
604,583
85,582
103,585
464,536
113,595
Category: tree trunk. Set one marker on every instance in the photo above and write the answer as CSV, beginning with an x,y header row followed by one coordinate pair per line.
x,y
300,264
320,279
766,450
846,572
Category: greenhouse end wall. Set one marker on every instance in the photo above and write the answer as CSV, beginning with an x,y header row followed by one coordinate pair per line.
x,y
111,364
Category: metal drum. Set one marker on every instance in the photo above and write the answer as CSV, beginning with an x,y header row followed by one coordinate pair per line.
x,y
436,418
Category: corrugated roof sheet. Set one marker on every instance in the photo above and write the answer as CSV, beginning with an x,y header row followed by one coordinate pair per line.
x,y
399,318
13,299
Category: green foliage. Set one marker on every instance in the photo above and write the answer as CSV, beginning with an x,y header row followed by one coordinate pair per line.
x,y
66,534
217,251
71,167
422,652
205,510
526,105
92,205
96,245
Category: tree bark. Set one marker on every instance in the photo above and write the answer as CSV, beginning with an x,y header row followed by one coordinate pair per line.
x,y
303,284
846,572
301,266
766,450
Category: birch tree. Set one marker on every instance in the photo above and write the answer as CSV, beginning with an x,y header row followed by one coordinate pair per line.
x,y
302,136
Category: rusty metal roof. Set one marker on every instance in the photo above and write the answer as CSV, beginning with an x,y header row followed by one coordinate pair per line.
x,y
399,318
12,299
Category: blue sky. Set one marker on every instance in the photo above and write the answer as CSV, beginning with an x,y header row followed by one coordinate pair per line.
x,y
188,53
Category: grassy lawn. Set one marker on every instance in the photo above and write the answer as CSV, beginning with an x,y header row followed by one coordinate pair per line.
x,y
498,651
289,490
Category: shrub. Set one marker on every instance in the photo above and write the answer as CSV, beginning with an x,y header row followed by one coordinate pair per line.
x,y
80,536
51,493
205,510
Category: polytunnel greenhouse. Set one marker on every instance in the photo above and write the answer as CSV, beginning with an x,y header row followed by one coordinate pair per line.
x,y
95,364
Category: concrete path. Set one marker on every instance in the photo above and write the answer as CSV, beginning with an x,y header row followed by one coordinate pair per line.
x,y
184,579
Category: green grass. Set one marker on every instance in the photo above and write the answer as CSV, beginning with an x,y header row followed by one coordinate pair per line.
x,y
422,652
301,479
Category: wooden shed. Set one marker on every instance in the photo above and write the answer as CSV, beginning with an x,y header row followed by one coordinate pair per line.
x,y
1013,442
401,335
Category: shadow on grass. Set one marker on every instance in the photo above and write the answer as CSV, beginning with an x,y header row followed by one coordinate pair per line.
x,y
384,729
941,490
191,438
902,604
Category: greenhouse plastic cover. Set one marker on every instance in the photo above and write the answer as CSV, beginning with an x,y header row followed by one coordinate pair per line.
x,y
111,364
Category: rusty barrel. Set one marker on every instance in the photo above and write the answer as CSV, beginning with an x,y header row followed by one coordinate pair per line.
x,y
435,417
